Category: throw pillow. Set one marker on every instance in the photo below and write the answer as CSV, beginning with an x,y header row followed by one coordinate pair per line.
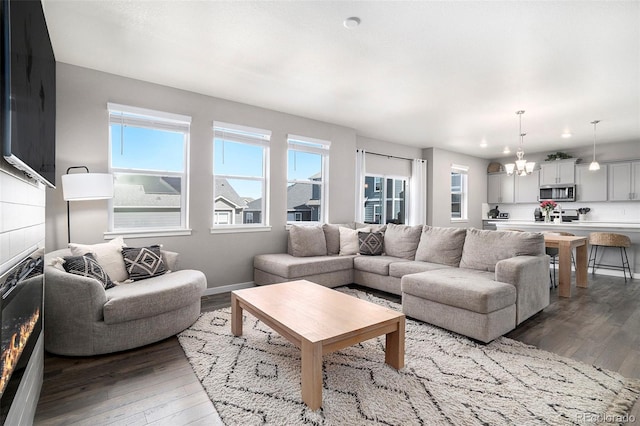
x,y
87,266
441,245
483,249
108,255
143,262
307,241
349,243
402,240
332,236
371,243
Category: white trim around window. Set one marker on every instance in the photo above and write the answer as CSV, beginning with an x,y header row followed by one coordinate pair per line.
x,y
151,196
320,147
235,183
460,189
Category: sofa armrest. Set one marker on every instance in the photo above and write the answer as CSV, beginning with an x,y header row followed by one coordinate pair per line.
x,y
530,276
72,306
170,259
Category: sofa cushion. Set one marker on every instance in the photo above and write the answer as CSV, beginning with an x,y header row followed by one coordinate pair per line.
x,y
441,245
155,296
143,262
470,290
374,227
370,243
332,237
349,244
400,269
402,240
287,266
483,249
375,264
108,255
307,241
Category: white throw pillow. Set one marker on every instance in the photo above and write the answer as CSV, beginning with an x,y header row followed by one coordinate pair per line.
x,y
349,243
108,255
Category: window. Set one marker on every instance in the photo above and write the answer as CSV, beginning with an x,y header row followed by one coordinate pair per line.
x,y
307,175
149,160
240,174
459,192
385,200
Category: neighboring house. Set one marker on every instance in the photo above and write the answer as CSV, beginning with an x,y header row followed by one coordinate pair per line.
x,y
150,201
229,207
374,195
253,212
303,202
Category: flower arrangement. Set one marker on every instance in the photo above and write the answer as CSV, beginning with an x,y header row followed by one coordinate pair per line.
x,y
548,206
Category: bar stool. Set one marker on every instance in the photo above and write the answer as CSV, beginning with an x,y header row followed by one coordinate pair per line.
x,y
608,239
553,253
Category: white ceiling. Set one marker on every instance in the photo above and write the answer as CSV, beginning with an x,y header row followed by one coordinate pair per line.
x,y
422,73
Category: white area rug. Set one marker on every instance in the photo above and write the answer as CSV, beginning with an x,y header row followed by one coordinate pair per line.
x,y
447,379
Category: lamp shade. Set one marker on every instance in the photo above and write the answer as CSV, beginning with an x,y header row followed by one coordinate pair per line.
x,y
87,186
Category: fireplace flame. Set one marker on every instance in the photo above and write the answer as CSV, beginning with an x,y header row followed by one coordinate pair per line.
x,y
11,355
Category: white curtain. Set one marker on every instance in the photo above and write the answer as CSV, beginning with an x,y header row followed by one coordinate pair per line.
x,y
360,173
418,193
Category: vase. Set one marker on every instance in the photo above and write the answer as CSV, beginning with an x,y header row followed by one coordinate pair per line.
x,y
547,216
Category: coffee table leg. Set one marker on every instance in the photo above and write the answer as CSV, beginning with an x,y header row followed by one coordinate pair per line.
x,y
312,374
394,351
236,316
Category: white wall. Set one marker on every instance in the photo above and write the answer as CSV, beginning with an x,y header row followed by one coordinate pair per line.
x,y
439,187
82,139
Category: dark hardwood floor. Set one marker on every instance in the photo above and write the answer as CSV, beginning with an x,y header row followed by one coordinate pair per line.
x,y
155,384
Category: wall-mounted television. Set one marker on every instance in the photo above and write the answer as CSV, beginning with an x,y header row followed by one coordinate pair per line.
x,y
28,109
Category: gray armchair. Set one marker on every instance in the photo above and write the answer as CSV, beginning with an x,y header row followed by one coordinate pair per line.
x,y
82,318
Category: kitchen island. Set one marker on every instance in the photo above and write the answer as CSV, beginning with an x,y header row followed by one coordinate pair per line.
x,y
584,228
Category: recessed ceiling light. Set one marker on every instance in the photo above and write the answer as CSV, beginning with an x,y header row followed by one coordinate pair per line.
x,y
506,150
351,23
566,135
483,144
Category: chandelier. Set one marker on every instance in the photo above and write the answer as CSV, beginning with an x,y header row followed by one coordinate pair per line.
x,y
521,167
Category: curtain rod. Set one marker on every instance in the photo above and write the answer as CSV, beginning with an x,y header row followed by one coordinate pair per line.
x,y
388,156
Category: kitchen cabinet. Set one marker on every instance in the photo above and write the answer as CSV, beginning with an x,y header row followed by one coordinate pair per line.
x,y
500,188
527,188
558,171
591,185
624,181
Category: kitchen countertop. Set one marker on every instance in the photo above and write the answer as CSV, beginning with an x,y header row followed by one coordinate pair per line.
x,y
577,224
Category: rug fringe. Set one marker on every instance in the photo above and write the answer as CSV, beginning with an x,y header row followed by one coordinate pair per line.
x,y
624,401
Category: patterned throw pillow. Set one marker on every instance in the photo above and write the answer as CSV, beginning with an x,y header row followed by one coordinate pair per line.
x,y
143,262
87,266
371,243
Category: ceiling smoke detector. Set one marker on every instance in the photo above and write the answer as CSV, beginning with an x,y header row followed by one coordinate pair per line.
x,y
351,23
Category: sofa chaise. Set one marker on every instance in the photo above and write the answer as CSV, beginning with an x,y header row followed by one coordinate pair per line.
x,y
478,283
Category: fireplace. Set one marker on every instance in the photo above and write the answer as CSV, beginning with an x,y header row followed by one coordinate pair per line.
x,y
21,294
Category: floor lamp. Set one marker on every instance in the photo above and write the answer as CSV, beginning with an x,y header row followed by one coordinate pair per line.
x,y
83,187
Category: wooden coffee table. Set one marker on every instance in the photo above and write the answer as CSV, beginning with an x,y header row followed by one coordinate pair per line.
x,y
319,320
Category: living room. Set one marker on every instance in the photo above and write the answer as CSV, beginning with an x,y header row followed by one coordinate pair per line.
x,y
88,91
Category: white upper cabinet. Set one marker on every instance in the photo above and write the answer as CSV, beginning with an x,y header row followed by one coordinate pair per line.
x,y
624,181
558,171
500,188
591,185
527,188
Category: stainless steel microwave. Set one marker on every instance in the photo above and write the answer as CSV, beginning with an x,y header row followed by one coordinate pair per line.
x,y
558,192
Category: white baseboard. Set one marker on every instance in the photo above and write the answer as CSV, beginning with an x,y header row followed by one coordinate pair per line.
x,y
228,288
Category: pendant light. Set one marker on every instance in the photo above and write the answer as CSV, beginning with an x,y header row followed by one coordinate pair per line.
x,y
521,167
594,164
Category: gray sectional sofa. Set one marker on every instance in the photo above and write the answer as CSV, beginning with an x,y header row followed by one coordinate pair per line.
x,y
481,284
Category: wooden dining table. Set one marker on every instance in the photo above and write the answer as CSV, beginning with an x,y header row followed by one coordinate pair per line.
x,y
565,246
